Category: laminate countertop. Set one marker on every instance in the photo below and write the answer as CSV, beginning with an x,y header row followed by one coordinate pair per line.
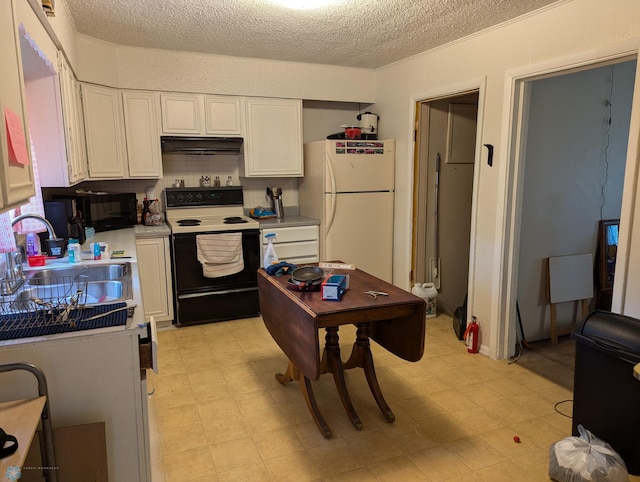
x,y
288,221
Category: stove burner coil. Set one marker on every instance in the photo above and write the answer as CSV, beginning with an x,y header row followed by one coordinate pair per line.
x,y
188,222
234,220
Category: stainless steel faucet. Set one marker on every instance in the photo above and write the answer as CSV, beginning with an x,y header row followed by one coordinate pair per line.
x,y
52,233
14,276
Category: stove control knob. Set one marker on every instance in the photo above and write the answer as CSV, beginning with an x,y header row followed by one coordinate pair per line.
x,y
199,196
189,197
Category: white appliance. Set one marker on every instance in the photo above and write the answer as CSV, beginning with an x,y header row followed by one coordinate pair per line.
x,y
349,186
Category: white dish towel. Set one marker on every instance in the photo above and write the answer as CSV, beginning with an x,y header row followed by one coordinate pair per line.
x,y
220,254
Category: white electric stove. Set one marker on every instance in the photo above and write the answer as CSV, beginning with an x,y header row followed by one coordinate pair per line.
x,y
198,211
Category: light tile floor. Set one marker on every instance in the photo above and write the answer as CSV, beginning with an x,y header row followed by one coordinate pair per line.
x,y
218,414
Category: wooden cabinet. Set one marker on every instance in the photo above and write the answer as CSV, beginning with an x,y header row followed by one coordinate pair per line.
x,y
142,133
201,115
273,140
154,266
296,244
16,179
104,131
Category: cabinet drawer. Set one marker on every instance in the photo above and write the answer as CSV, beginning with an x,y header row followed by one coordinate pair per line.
x,y
289,251
292,234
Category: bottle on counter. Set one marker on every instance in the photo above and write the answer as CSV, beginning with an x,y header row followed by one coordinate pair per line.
x,y
97,252
145,210
74,250
32,244
229,181
270,256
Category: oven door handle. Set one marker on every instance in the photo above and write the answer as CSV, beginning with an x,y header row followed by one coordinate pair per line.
x,y
214,293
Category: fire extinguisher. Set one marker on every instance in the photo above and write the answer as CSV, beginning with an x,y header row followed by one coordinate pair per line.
x,y
471,336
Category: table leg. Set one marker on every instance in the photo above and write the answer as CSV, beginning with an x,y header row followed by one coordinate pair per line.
x,y
361,357
293,373
332,363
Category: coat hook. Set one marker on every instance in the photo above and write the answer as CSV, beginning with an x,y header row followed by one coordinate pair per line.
x,y
490,158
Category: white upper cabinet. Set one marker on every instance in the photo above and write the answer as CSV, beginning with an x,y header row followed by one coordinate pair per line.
x,y
104,130
73,169
142,129
273,140
223,115
181,114
201,115
16,172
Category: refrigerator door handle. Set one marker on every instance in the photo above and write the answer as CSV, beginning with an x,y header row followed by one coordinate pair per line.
x,y
333,198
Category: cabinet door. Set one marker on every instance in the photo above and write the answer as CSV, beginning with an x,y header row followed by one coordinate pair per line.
x,y
16,178
104,131
80,170
273,146
75,167
154,267
181,114
223,115
142,132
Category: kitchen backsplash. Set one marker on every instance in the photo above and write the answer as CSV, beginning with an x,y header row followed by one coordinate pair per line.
x,y
191,168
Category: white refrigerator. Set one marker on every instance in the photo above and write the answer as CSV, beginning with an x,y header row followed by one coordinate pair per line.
x,y
349,186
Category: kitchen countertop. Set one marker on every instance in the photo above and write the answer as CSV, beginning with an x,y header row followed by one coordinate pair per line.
x,y
143,231
288,221
119,240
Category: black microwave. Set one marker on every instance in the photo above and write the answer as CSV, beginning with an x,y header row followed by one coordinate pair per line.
x,y
105,211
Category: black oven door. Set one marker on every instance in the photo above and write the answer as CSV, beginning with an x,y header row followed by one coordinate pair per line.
x,y
188,270
199,299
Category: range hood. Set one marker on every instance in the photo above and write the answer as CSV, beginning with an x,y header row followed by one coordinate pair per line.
x,y
201,145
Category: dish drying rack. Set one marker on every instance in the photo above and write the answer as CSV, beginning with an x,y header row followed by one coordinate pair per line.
x,y
58,303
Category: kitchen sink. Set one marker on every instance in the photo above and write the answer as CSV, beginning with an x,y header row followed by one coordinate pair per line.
x,y
103,272
107,283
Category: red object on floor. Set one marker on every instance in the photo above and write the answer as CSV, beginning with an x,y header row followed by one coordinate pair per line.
x,y
471,336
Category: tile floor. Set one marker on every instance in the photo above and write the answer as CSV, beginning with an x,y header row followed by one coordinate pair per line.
x,y
218,414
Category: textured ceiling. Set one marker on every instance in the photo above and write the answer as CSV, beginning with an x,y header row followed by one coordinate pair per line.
x,y
357,33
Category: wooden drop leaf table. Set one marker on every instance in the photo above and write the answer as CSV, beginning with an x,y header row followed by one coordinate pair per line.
x,y
396,321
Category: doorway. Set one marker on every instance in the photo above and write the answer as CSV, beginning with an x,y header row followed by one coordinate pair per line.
x,y
568,191
443,195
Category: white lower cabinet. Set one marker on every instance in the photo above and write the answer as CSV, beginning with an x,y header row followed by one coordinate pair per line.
x,y
295,245
91,378
154,266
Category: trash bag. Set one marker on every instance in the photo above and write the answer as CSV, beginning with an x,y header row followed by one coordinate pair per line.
x,y
585,459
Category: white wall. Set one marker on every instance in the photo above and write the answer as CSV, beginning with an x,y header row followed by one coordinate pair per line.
x,y
588,29
164,70
574,174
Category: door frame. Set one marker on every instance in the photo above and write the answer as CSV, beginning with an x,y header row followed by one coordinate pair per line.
x,y
515,119
452,90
